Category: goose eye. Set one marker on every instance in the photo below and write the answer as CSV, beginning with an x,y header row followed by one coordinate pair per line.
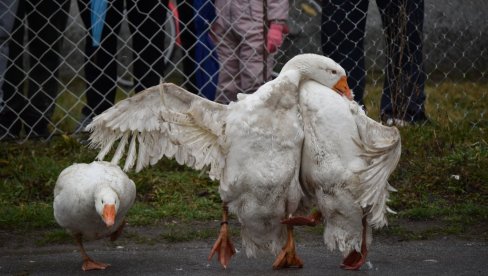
x,y
103,201
334,72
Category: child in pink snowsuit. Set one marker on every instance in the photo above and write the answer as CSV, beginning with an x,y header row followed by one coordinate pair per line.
x,y
246,34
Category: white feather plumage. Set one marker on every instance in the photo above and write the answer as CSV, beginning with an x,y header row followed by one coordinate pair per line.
x,y
252,146
346,161
75,196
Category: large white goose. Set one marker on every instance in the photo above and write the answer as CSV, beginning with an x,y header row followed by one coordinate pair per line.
x,y
91,201
252,146
346,161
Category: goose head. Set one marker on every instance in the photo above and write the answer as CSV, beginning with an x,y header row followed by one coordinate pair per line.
x,y
107,204
320,69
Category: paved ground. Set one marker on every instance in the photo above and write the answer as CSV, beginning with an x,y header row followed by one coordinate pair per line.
x,y
440,256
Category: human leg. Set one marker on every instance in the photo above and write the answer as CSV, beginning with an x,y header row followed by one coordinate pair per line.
x,y
342,35
146,19
8,9
14,76
227,45
188,40
47,21
403,93
100,65
256,62
228,86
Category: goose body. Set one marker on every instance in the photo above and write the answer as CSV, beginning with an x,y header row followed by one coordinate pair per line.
x,y
91,201
346,161
253,146
260,180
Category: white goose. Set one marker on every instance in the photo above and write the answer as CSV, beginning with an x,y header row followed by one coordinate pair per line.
x,y
252,146
346,161
91,201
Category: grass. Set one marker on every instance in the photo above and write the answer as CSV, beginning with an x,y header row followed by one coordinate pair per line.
x,y
442,173
441,176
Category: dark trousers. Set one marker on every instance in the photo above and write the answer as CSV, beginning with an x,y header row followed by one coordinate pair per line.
x,y
343,32
146,19
188,41
46,21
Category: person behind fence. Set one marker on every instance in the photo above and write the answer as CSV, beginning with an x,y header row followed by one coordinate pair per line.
x,y
200,61
8,8
103,20
342,34
44,22
188,40
247,33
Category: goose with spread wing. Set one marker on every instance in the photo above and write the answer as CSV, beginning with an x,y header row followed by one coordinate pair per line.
x,y
252,146
346,161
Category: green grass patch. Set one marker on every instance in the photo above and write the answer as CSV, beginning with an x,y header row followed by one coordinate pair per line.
x,y
23,217
29,172
463,212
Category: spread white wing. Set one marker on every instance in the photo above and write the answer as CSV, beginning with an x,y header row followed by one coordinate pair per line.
x,y
164,120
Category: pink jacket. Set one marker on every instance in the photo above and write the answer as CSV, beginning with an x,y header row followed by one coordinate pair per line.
x,y
277,10
240,36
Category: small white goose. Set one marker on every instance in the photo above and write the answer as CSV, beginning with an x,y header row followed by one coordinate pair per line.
x,y
252,146
91,201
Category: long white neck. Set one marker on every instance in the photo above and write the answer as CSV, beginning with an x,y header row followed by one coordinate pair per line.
x,y
298,65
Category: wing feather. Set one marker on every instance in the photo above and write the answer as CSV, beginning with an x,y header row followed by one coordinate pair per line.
x,y
381,146
163,121
131,155
120,149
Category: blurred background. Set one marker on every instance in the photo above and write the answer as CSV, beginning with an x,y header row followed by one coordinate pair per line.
x,y
455,59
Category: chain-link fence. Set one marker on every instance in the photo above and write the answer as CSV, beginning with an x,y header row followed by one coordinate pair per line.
x,y
65,61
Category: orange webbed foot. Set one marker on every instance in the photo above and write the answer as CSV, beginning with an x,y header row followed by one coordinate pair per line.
x,y
355,259
115,235
223,247
288,257
90,264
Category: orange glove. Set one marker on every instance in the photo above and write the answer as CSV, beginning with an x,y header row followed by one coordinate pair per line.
x,y
275,36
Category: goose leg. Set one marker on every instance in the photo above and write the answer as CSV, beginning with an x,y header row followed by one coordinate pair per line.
x,y
311,220
88,263
288,256
355,259
115,235
223,246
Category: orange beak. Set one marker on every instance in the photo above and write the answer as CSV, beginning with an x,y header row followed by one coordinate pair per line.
x,y
342,88
109,214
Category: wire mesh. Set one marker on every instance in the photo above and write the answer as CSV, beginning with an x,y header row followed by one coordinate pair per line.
x,y
53,82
